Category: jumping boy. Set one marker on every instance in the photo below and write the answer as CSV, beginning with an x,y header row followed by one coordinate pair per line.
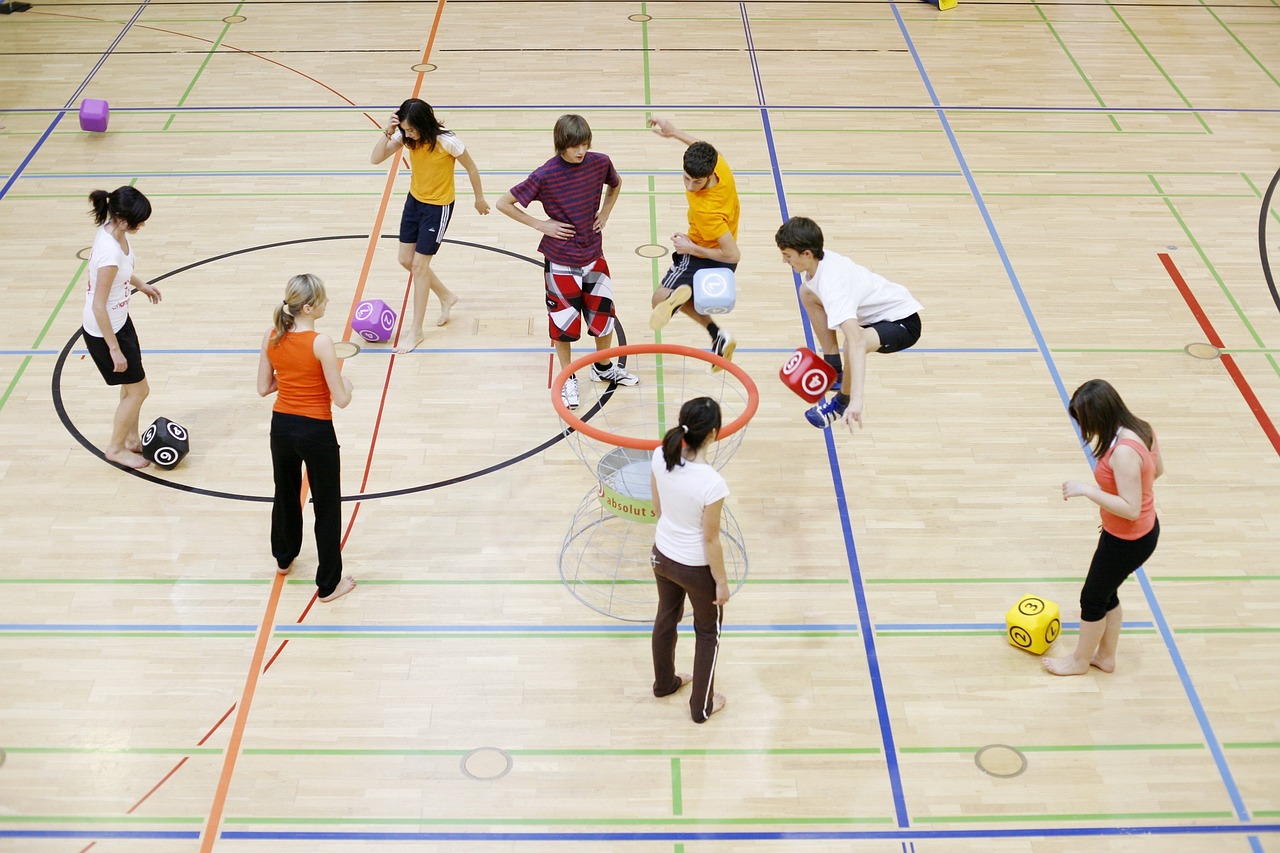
x,y
875,315
577,277
712,240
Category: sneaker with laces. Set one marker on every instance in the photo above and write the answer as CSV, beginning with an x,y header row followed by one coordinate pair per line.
x,y
826,413
569,392
615,373
723,346
667,308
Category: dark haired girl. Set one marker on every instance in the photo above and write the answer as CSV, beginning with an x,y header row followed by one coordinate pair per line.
x,y
1128,465
688,558
109,334
429,206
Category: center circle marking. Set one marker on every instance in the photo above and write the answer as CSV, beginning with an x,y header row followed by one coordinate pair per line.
x,y
71,428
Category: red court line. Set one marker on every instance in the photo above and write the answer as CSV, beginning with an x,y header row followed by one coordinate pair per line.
x,y
1228,362
217,807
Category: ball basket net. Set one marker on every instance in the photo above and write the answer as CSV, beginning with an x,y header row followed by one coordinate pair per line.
x,y
604,560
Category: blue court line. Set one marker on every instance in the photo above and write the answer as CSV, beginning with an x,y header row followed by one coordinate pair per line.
x,y
978,626
884,721
292,628
365,173
1193,696
818,835
62,111
979,108
510,350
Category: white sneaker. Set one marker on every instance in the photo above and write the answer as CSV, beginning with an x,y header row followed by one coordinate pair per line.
x,y
569,392
615,373
723,346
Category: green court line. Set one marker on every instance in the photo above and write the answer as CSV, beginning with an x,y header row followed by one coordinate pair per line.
x,y
1041,819
1158,67
1061,579
481,633
1222,285
1275,630
1237,40
1266,744
48,324
209,54
375,582
579,751
539,821
1054,32
123,750
1083,747
677,803
1275,212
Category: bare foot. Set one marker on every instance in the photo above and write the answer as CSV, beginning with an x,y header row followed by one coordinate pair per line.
x,y
134,444
685,679
127,458
410,343
718,702
344,586
284,570
1104,664
1064,666
446,305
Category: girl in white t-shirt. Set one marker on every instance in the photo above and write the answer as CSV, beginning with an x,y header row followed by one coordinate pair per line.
x,y
687,558
108,332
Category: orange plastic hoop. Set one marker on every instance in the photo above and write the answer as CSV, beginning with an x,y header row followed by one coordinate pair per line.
x,y
579,425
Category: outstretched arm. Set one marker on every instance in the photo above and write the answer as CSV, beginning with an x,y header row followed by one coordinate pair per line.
x,y
857,342
667,129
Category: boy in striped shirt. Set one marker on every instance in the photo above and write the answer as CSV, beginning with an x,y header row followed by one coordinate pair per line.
x,y
578,288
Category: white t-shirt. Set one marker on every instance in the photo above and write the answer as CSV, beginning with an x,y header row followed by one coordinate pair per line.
x,y
448,140
851,291
684,492
106,252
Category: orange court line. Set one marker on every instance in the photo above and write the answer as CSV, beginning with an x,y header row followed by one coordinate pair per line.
x,y
216,809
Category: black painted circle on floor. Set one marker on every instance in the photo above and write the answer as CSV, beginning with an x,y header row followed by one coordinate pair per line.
x,y
61,408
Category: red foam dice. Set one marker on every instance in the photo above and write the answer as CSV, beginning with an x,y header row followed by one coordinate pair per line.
x,y
807,374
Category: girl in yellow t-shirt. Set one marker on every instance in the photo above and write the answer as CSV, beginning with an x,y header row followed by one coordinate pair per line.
x,y
433,151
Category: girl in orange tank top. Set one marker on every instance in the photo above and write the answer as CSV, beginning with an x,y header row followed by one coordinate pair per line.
x,y
1128,465
300,366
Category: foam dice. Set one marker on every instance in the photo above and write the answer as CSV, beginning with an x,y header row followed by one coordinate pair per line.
x,y
93,115
807,374
714,291
165,443
374,320
1033,624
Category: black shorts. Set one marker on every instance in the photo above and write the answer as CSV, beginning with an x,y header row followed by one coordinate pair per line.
x,y
127,337
683,268
424,225
897,335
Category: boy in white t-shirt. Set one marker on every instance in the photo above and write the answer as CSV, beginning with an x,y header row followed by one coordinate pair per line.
x,y
875,315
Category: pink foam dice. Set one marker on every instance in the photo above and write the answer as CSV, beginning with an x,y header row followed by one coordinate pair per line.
x,y
374,320
93,115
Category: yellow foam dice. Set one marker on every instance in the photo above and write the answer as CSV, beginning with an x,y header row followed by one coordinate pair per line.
x,y
1033,624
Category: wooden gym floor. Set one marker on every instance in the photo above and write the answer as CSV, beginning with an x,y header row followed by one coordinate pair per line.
x,y
1072,189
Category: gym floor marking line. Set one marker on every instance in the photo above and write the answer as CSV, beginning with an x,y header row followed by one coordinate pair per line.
x,y
1242,384
210,833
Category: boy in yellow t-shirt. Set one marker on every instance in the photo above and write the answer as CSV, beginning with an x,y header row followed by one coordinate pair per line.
x,y
712,240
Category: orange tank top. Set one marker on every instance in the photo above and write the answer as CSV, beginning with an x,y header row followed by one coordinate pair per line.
x,y
1123,528
302,389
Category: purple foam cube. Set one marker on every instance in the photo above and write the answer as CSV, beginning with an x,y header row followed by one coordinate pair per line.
x,y
93,115
374,320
